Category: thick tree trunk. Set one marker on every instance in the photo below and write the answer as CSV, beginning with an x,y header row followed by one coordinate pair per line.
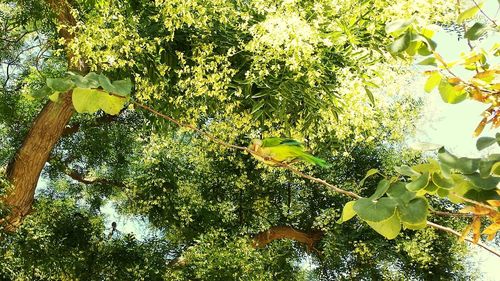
x,y
24,171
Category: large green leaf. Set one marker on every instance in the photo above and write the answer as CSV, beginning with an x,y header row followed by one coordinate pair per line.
x,y
382,187
463,164
407,171
441,181
484,142
482,195
60,84
419,183
399,192
45,91
375,210
348,212
450,94
488,183
388,228
86,100
122,87
92,79
415,212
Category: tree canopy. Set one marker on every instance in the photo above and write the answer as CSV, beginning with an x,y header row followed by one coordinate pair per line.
x,y
149,106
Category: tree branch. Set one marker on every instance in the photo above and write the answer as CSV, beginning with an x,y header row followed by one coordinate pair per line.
x,y
456,233
80,177
294,170
287,232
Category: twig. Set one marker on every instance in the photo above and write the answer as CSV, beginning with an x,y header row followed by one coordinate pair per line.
x,y
482,12
474,202
221,142
456,233
448,214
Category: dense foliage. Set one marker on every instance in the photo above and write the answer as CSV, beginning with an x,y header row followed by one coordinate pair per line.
x,y
318,71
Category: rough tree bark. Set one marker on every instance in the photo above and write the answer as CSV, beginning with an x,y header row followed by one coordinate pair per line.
x,y
24,169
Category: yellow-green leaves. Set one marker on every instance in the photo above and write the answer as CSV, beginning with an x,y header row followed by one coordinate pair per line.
x,y
432,81
348,212
91,92
469,13
86,100
60,84
451,94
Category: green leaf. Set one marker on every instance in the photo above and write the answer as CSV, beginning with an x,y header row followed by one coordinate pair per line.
x,y
123,87
111,104
424,50
398,26
80,81
45,91
432,81
449,94
469,13
370,96
370,173
382,187
399,192
86,100
415,212
441,181
401,43
441,192
106,84
431,188
428,61
484,142
407,171
375,211
489,183
464,164
485,168
476,31
60,84
348,212
389,228
419,183
92,80
482,195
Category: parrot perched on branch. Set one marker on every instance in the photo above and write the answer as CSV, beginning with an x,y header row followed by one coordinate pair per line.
x,y
273,151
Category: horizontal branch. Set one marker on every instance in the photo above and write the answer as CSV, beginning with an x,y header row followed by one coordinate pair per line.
x,y
75,175
287,232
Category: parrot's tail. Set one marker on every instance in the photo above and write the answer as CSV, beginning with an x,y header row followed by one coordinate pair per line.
x,y
315,160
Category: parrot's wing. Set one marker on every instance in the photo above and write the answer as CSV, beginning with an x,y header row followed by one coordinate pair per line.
x,y
270,142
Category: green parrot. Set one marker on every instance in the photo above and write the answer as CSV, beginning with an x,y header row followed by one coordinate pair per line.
x,y
282,150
